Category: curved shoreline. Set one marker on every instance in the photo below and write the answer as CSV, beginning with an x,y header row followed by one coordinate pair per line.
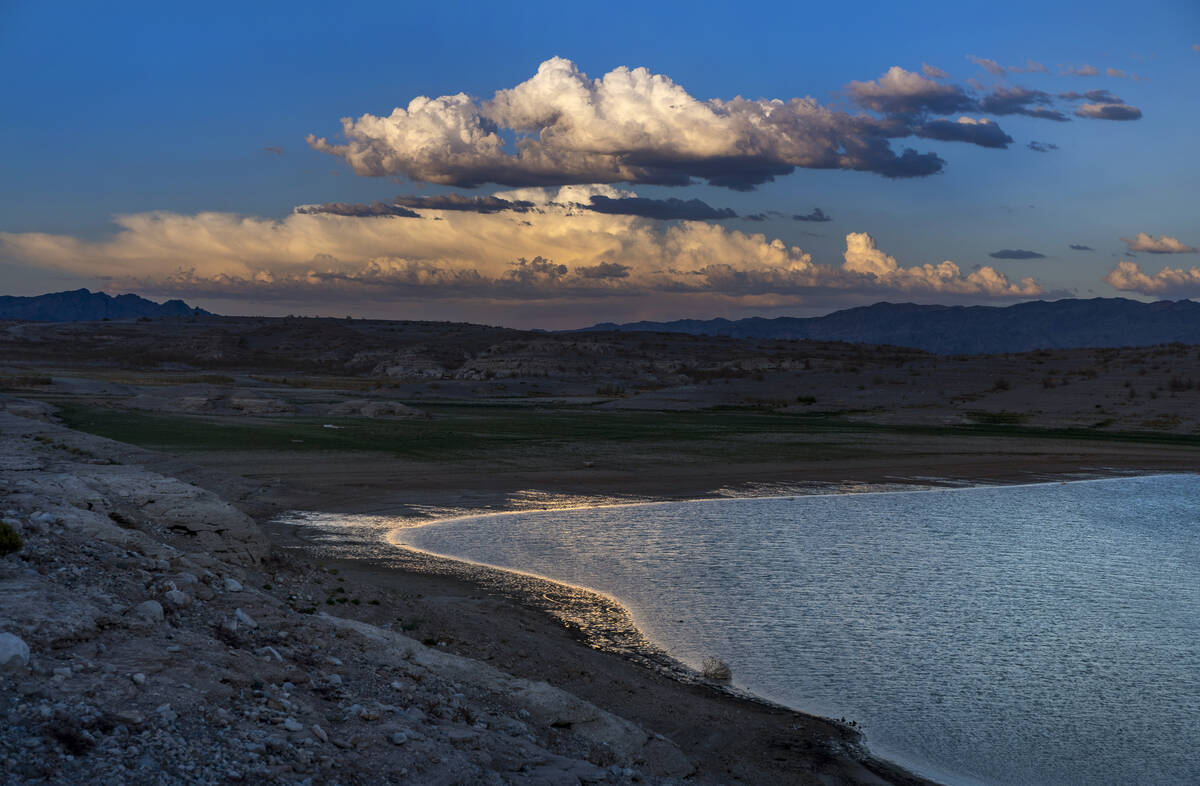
x,y
594,619
602,621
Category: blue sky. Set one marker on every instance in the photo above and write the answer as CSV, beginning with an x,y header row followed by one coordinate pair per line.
x,y
143,109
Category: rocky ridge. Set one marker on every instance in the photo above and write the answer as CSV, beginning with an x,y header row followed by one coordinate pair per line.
x,y
147,635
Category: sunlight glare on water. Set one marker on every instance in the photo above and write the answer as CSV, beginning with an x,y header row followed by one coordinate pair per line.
x,y
1036,634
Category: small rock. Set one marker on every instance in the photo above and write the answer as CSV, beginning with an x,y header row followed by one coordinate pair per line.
x,y
14,653
138,678
334,679
177,600
244,618
62,671
130,717
232,585
187,579
291,724
149,611
399,738
166,713
319,733
334,661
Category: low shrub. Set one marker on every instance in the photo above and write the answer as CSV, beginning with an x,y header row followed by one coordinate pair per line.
x,y
713,668
10,540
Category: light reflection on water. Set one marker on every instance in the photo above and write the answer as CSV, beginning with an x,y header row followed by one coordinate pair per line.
x,y
1022,634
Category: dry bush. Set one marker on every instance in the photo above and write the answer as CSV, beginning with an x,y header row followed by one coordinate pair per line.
x,y
713,668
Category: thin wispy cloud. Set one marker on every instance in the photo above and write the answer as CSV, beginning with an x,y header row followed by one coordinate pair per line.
x,y
1020,101
474,204
991,66
661,209
817,215
1042,147
375,209
1108,112
1016,253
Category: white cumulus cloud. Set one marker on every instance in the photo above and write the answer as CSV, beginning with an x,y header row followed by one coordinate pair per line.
x,y
1128,277
552,250
630,125
1157,245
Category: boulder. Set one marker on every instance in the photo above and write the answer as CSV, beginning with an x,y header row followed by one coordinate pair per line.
x,y
14,653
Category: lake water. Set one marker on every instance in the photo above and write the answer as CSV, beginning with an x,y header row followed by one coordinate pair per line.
x,y
1037,634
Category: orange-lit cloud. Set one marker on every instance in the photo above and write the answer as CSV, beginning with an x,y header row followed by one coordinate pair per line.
x,y
1157,245
1128,277
555,249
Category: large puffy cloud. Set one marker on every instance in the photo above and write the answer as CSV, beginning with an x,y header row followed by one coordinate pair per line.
x,y
628,126
1157,245
560,250
1128,277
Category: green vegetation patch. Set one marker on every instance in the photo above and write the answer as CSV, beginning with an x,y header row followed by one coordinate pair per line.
x,y
470,432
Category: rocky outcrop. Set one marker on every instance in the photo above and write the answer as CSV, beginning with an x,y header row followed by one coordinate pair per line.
x,y
143,639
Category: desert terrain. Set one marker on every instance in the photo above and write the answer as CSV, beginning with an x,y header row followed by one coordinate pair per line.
x,y
253,635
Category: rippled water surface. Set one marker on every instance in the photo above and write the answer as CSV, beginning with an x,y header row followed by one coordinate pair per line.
x,y
1022,634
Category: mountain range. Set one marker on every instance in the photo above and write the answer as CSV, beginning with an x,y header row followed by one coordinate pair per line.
x,y
83,305
962,330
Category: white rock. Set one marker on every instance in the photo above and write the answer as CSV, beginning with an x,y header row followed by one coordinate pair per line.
x,y
232,585
14,653
244,618
138,679
291,724
130,717
319,733
148,611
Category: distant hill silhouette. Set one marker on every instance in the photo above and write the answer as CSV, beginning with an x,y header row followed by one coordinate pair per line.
x,y
82,305
1060,324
